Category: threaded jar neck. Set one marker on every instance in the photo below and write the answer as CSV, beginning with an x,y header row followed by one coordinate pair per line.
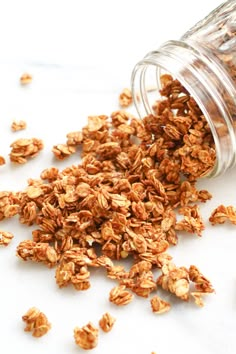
x,y
206,81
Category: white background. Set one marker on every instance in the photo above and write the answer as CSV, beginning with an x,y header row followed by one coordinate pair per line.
x,y
81,54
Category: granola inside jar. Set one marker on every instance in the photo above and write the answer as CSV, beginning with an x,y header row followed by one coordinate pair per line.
x,y
203,61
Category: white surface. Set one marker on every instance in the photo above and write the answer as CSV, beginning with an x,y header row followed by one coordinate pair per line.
x,y
96,44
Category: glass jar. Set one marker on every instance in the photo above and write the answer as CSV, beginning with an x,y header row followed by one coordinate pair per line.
x,y
204,61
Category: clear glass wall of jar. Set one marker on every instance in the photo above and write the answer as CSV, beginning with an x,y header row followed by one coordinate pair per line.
x,y
204,61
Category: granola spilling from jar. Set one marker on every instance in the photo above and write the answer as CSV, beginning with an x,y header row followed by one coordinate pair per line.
x,y
121,201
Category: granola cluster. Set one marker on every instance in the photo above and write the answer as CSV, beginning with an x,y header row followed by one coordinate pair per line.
x,y
36,322
87,336
18,125
23,149
223,213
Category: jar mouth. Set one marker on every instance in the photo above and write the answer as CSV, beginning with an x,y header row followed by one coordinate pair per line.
x,y
179,60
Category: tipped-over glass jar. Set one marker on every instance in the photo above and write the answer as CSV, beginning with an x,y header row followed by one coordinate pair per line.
x,y
204,62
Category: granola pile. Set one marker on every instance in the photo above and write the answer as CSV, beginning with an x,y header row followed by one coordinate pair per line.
x,y
121,201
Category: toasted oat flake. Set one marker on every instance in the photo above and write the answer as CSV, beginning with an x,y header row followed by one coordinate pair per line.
x,y
86,337
107,322
36,322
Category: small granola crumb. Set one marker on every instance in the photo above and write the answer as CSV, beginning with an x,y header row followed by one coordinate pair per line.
x,y
159,306
125,98
25,79
18,125
5,238
2,160
106,322
36,322
197,296
87,336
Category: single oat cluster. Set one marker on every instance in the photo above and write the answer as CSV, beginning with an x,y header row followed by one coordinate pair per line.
x,y
125,98
18,125
23,149
106,323
87,336
223,213
159,305
36,322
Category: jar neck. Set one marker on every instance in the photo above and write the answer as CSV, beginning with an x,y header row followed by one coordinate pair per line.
x,y
206,81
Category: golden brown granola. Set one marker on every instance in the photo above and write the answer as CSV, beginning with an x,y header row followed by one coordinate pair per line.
x,y
159,305
120,296
192,221
106,323
18,125
175,280
5,238
36,322
86,337
23,149
121,201
26,78
223,213
62,151
197,296
125,98
2,160
202,284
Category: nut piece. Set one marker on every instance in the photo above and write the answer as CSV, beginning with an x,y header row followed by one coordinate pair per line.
x,y
106,322
119,296
36,322
159,306
87,336
18,125
25,79
125,98
5,238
